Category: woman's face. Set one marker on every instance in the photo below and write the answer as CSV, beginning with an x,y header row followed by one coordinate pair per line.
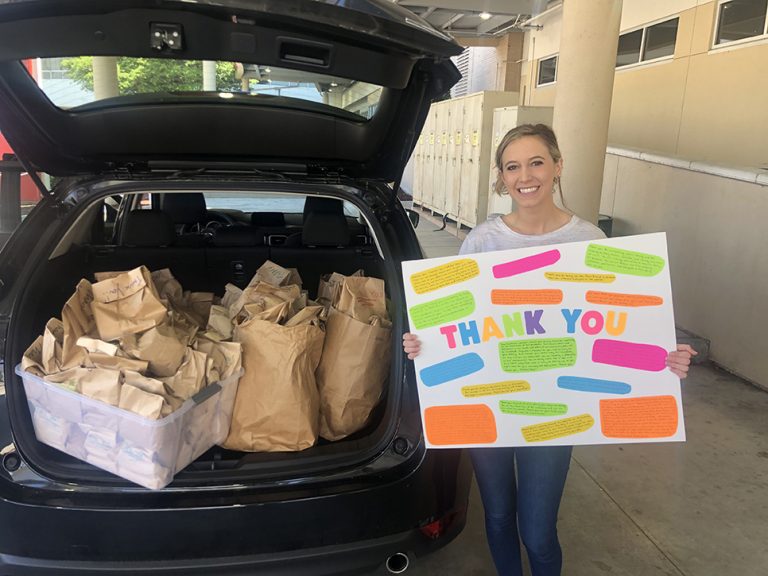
x,y
528,171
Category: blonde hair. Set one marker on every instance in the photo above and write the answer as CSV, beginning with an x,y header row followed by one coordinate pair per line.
x,y
540,131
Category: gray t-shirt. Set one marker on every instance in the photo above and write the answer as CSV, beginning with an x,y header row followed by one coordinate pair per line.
x,y
494,234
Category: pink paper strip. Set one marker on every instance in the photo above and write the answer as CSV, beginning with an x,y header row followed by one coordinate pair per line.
x,y
526,264
629,355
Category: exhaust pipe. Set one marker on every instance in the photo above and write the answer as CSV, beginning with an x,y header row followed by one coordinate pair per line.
x,y
398,563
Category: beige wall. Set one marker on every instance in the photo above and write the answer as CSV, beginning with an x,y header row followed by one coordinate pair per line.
x,y
717,241
704,103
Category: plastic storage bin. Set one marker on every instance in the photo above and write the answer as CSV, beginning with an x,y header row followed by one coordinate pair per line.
x,y
147,452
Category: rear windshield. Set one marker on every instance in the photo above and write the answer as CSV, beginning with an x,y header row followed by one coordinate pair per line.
x,y
75,81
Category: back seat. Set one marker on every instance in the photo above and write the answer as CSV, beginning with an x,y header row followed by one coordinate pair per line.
x,y
234,255
147,237
324,245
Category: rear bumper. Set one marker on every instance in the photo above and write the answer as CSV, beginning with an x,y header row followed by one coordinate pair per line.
x,y
322,534
349,560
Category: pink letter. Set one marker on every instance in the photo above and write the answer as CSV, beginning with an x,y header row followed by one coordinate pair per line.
x,y
448,332
592,322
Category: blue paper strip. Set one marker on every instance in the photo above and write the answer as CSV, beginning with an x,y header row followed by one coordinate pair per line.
x,y
452,369
593,385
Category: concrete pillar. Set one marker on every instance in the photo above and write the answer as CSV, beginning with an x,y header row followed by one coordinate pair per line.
x,y
105,77
585,69
209,76
510,56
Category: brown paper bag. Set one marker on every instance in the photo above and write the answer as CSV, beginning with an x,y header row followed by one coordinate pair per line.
x,y
94,345
198,306
32,361
293,278
154,386
270,273
98,383
53,340
224,358
168,288
329,287
232,299
307,315
162,348
126,304
220,322
277,313
140,402
276,408
77,318
352,373
190,377
362,298
99,360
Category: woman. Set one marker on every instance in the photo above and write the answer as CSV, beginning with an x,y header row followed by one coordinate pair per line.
x,y
523,505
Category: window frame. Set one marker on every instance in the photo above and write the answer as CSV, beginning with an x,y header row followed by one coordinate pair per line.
x,y
641,59
716,30
554,57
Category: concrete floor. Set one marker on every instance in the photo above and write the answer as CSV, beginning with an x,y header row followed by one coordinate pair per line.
x,y
698,508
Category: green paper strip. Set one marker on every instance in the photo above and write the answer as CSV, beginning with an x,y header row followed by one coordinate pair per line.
x,y
623,261
442,310
532,408
537,355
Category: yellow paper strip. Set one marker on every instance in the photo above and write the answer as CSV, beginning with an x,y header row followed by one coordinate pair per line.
x,y
579,277
557,428
504,387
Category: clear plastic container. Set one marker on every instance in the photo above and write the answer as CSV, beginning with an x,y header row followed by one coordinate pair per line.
x,y
147,452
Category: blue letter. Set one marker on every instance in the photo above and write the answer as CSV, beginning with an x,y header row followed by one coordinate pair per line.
x,y
570,318
468,331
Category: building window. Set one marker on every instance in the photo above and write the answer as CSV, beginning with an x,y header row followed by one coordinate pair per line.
x,y
547,71
629,48
649,43
740,19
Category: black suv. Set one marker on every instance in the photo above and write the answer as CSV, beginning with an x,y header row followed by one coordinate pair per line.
x,y
292,156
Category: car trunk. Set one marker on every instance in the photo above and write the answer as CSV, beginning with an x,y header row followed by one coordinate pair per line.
x,y
77,249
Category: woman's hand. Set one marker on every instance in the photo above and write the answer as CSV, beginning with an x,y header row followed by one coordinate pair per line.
x,y
411,345
680,360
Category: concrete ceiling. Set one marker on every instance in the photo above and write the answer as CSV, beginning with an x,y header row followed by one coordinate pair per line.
x,y
461,18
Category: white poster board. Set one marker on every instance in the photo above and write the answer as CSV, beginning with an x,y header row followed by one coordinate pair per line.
x,y
556,345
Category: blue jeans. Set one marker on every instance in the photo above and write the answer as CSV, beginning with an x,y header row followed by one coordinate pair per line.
x,y
523,508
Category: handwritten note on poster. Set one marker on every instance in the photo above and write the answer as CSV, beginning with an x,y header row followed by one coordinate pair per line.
x,y
555,345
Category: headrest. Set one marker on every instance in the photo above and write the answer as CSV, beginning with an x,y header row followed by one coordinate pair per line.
x,y
324,229
147,228
184,207
273,219
238,236
318,204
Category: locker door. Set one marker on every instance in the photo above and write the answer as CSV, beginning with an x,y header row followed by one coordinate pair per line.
x,y
471,161
453,172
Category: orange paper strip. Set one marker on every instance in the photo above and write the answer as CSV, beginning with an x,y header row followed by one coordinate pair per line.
x,y
461,424
644,417
616,299
520,297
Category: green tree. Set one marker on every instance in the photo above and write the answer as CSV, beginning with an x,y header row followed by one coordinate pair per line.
x,y
143,75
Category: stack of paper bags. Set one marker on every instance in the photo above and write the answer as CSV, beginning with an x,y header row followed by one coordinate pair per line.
x,y
281,333
131,340
356,357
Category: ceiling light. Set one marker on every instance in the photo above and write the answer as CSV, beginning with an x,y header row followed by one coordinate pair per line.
x,y
485,15
334,84
267,70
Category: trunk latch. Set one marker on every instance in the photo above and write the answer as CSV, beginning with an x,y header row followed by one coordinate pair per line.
x,y
166,36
